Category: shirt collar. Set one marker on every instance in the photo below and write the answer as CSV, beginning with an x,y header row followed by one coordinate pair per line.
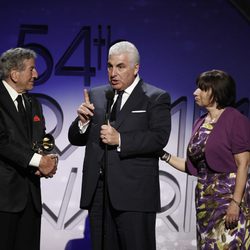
x,y
130,88
12,92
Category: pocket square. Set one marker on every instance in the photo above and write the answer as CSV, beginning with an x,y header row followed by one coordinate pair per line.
x,y
36,118
138,111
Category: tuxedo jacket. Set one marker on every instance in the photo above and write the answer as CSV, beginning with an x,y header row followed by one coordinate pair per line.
x,y
144,124
16,176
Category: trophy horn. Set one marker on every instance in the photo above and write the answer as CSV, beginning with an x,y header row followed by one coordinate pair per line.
x,y
48,142
45,145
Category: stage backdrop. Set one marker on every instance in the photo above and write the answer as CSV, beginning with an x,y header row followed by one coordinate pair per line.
x,y
177,40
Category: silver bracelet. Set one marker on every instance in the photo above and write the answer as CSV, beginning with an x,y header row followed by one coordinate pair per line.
x,y
236,202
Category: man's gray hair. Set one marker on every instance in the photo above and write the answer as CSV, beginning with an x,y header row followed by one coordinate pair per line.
x,y
125,47
13,59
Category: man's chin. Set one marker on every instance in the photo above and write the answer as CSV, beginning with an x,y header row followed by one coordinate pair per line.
x,y
116,86
30,87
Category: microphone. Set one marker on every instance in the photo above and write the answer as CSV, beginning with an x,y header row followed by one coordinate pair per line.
x,y
110,98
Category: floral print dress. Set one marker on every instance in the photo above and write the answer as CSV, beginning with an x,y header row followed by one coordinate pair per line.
x,y
212,197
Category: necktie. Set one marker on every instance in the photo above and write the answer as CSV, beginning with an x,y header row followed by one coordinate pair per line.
x,y
22,111
116,107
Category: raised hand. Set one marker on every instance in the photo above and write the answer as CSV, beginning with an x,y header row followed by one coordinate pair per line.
x,y
86,109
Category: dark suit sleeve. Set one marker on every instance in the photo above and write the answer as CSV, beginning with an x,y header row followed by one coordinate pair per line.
x,y
74,135
155,134
12,150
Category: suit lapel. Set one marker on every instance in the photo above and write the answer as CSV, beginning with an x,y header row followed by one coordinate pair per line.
x,y
130,104
36,118
27,101
9,107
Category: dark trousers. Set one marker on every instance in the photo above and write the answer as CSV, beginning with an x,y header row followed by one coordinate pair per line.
x,y
124,230
19,231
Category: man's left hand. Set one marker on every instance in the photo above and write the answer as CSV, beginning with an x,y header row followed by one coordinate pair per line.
x,y
109,135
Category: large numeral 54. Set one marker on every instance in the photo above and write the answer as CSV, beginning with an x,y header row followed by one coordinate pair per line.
x,y
38,48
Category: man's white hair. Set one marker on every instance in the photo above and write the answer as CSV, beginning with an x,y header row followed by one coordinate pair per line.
x,y
125,47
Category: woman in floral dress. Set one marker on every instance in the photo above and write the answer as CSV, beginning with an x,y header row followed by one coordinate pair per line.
x,y
219,155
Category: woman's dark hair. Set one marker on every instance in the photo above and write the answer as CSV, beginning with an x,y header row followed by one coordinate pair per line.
x,y
222,86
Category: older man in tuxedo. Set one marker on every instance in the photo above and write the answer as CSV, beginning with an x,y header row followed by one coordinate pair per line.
x,y
125,150
21,167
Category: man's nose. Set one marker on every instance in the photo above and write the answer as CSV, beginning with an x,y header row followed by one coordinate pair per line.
x,y
35,73
113,72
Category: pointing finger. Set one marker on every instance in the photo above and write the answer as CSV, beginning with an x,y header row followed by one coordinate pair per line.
x,y
86,96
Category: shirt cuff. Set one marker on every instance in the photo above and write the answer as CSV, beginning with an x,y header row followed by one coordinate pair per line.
x,y
119,145
83,127
35,160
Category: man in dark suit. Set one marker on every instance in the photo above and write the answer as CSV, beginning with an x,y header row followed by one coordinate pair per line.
x,y
126,150
21,125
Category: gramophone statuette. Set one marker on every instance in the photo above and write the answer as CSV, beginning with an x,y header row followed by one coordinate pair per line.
x,y
45,145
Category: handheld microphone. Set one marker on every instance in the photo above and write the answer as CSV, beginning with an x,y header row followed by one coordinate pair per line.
x,y
110,98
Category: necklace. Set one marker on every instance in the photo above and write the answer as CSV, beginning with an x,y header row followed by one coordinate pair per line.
x,y
213,118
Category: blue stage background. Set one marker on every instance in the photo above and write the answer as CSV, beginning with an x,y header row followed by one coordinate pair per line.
x,y
177,40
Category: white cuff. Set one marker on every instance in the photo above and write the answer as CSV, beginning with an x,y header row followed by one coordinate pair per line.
x,y
83,127
119,145
35,160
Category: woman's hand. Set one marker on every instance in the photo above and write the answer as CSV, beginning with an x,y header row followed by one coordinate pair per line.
x,y
232,215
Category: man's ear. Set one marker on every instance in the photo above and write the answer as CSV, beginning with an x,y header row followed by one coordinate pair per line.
x,y
14,74
137,66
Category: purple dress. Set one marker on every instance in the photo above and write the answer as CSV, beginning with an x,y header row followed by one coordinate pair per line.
x,y
212,197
